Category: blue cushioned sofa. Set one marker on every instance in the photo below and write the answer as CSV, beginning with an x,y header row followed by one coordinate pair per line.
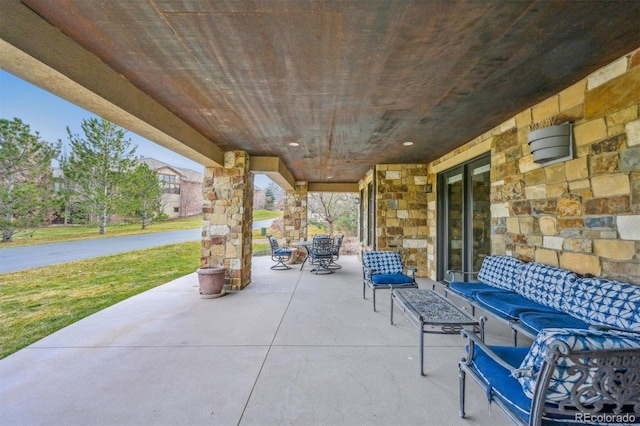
x,y
584,364
531,297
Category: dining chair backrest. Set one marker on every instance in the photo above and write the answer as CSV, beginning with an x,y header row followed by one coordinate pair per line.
x,y
337,242
274,244
322,247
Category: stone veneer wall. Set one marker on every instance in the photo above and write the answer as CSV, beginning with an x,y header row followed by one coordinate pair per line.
x,y
227,218
295,214
582,214
401,212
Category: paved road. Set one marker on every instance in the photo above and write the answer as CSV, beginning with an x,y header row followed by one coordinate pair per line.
x,y
19,258
258,224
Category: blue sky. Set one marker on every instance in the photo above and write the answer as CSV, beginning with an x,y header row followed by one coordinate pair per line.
x,y
50,115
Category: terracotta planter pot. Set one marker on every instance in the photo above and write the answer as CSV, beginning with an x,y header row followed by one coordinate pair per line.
x,y
211,281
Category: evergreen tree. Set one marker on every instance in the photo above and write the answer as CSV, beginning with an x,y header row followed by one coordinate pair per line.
x,y
142,194
97,167
25,178
269,199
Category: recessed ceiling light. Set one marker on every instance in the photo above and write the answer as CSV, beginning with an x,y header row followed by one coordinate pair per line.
x,y
408,143
294,144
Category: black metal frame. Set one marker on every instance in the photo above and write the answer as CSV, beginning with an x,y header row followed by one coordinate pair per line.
x,y
337,243
279,258
442,227
321,255
438,326
615,374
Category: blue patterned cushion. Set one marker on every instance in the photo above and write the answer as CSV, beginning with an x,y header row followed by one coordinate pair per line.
x,y
605,302
536,321
383,262
498,377
545,284
499,271
470,290
508,305
563,378
386,279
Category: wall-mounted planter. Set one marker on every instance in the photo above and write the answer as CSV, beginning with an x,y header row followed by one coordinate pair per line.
x,y
552,144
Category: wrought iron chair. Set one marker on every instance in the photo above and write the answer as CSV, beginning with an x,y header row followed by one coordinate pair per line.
x,y
384,270
312,261
337,242
321,255
278,254
568,376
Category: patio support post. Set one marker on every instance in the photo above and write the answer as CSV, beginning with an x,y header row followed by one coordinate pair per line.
x,y
227,218
295,213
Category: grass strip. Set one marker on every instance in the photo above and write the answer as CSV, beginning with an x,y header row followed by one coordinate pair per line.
x,y
60,233
37,302
266,214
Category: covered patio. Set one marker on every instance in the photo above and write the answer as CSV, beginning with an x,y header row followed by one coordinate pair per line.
x,y
415,106
291,348
423,109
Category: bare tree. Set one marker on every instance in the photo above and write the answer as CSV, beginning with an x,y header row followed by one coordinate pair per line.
x,y
190,198
331,207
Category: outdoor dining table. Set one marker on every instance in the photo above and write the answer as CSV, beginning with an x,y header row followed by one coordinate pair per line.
x,y
306,245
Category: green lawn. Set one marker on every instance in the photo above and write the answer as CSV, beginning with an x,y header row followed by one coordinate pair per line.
x,y
37,302
59,233
266,214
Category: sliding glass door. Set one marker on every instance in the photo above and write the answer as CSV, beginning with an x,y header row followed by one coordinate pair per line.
x,y
464,217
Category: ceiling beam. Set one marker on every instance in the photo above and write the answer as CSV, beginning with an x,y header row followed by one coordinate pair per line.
x,y
37,52
332,187
275,169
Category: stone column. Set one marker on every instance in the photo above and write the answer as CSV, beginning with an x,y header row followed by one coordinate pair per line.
x,y
227,219
401,212
295,214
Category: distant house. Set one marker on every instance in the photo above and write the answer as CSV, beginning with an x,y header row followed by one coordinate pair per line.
x,y
182,188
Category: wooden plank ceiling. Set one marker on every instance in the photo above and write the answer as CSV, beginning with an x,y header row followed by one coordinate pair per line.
x,y
349,81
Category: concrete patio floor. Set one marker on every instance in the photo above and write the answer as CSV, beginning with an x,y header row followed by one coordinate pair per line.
x,y
291,348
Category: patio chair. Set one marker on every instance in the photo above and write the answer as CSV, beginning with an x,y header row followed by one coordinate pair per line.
x,y
337,242
278,254
567,377
384,270
312,261
321,255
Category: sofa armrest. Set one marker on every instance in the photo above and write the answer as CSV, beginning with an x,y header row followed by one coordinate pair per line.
x,y
411,271
367,272
569,359
594,379
453,273
476,341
